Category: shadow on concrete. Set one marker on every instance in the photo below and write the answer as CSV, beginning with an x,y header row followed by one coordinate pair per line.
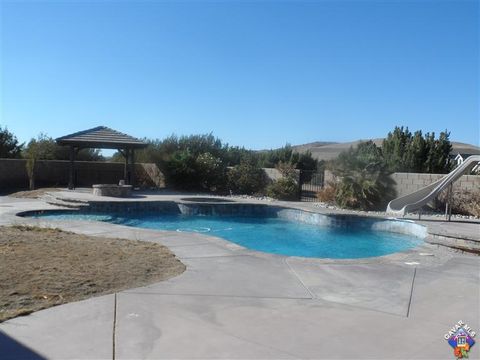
x,y
11,349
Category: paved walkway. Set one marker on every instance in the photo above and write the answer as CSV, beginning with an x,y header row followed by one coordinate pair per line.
x,y
236,303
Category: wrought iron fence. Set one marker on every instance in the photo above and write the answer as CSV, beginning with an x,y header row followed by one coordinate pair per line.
x,y
311,182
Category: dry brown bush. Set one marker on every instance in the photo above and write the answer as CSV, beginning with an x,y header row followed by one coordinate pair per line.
x,y
463,202
327,194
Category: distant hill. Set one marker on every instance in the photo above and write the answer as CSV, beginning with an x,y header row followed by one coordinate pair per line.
x,y
330,150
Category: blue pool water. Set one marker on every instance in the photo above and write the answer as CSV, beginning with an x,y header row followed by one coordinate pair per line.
x,y
268,234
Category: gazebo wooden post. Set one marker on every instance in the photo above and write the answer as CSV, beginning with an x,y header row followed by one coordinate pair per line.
x,y
132,167
125,168
71,176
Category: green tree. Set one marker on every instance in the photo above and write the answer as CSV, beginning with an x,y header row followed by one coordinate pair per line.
x,y
394,149
404,152
416,153
211,172
46,148
180,170
442,148
9,145
247,178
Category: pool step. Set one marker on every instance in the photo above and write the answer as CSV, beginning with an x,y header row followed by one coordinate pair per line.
x,y
64,202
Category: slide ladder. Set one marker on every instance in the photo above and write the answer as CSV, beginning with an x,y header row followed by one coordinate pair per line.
x,y
414,201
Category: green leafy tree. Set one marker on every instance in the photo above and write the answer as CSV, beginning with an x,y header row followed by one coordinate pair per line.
x,y
187,171
46,148
247,178
416,153
235,155
9,145
181,170
394,149
211,172
404,152
438,159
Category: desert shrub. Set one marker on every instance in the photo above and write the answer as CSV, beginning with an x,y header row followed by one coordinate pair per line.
x,y
364,189
247,178
327,194
364,181
189,172
180,170
285,188
210,172
287,154
462,203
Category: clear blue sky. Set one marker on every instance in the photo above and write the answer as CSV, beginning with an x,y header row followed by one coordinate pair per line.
x,y
257,74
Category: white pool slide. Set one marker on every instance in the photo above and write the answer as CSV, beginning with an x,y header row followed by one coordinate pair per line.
x,y
414,201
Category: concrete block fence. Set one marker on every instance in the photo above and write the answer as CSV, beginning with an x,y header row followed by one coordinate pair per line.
x,y
407,183
13,173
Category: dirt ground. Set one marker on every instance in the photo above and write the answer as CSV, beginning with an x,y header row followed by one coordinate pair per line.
x,y
32,194
40,268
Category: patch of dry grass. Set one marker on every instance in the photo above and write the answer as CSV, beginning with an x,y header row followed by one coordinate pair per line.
x,y
40,268
32,194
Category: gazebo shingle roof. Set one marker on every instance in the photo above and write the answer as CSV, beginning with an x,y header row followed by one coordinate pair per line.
x,y
101,137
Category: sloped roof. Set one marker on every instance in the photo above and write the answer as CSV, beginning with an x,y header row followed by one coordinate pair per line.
x,y
101,137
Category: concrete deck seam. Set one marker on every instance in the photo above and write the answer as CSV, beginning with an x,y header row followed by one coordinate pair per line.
x,y
114,325
217,295
319,300
312,295
411,291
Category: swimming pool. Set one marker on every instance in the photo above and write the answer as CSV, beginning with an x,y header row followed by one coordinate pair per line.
x,y
346,238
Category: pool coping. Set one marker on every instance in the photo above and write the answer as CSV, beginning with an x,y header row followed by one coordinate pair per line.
x,y
398,257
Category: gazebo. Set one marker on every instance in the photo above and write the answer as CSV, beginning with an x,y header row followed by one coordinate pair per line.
x,y
102,137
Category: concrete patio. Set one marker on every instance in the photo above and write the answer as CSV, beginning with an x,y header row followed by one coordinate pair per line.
x,y
235,303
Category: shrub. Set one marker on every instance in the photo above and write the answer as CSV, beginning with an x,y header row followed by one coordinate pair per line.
x,y
463,202
285,188
369,188
210,172
190,172
327,194
247,178
364,181
180,170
